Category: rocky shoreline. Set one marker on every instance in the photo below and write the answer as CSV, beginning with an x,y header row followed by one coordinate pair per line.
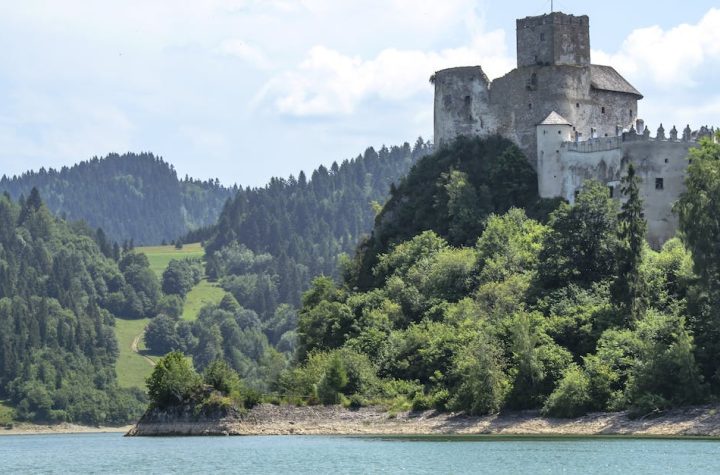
x,y
267,419
27,428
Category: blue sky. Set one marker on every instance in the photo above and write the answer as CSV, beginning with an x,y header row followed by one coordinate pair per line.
x,y
244,90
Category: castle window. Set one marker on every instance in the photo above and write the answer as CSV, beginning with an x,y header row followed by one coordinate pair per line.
x,y
530,106
612,191
577,105
659,184
630,113
602,110
559,132
666,160
542,36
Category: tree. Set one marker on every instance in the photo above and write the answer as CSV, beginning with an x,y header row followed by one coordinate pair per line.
x,y
172,381
699,214
627,289
582,244
161,335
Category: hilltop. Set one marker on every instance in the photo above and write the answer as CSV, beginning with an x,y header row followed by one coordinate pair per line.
x,y
136,197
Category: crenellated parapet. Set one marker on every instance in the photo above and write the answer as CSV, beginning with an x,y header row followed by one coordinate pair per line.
x,y
688,135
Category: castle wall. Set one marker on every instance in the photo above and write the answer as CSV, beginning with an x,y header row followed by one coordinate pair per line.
x,y
660,164
620,109
525,96
665,160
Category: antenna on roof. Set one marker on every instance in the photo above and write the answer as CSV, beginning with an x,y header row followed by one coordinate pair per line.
x,y
552,6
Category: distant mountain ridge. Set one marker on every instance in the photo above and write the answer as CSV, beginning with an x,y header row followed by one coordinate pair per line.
x,y
130,196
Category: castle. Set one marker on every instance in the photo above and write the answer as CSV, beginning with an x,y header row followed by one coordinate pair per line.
x,y
574,120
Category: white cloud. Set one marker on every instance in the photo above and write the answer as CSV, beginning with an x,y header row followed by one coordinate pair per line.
x,y
327,82
245,52
669,58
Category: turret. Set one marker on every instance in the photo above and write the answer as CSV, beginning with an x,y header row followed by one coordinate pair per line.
x,y
461,103
551,133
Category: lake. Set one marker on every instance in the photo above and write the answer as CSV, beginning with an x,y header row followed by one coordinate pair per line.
x,y
111,453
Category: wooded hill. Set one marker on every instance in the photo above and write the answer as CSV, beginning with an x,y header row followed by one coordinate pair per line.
x,y
462,301
131,197
59,295
268,244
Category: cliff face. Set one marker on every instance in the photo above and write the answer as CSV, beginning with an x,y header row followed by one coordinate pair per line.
x,y
186,420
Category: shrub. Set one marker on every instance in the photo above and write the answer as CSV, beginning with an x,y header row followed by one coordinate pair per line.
x,y
333,382
571,397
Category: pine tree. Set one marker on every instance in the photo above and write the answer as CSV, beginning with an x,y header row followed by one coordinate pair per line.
x,y
627,289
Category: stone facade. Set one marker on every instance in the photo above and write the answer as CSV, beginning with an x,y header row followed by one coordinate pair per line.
x,y
553,74
574,120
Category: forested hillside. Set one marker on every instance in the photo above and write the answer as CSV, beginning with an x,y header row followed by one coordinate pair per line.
x,y
131,197
462,301
59,295
268,243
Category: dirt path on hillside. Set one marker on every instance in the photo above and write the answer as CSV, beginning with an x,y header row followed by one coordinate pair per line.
x,y
134,348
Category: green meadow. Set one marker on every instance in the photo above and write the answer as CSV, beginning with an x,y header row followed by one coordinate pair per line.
x,y
160,256
135,364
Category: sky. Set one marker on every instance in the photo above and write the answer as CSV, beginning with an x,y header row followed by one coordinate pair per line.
x,y
242,90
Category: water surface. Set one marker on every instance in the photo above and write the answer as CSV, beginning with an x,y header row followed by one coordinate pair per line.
x,y
112,453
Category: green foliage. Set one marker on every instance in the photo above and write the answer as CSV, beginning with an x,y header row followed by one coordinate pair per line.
x,y
332,382
131,197
482,384
180,276
58,296
581,245
628,289
571,397
173,381
451,192
698,210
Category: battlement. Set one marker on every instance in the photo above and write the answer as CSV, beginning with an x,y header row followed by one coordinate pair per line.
x,y
555,18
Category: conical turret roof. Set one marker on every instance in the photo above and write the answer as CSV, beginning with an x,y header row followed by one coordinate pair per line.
x,y
555,119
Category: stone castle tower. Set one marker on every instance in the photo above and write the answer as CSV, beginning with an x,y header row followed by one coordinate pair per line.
x,y
573,120
553,73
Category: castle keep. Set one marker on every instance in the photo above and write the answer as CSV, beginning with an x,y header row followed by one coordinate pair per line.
x,y
574,120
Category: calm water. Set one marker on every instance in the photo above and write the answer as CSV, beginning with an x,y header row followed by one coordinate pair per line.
x,y
111,453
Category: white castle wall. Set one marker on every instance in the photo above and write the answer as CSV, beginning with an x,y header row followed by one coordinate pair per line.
x,y
660,164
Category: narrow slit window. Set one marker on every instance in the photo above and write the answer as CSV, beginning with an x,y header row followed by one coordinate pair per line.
x,y
611,189
602,110
659,184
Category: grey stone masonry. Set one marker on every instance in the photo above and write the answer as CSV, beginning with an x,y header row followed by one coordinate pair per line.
x,y
574,120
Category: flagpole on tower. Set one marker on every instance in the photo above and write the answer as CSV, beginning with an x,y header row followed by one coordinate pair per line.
x,y
552,6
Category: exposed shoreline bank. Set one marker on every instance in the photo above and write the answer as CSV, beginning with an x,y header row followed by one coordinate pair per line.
x,y
702,421
26,428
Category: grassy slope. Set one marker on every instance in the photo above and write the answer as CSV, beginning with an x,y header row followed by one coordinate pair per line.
x,y
132,368
202,294
160,256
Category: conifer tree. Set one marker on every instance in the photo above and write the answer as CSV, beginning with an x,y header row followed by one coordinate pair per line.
x,y
627,288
